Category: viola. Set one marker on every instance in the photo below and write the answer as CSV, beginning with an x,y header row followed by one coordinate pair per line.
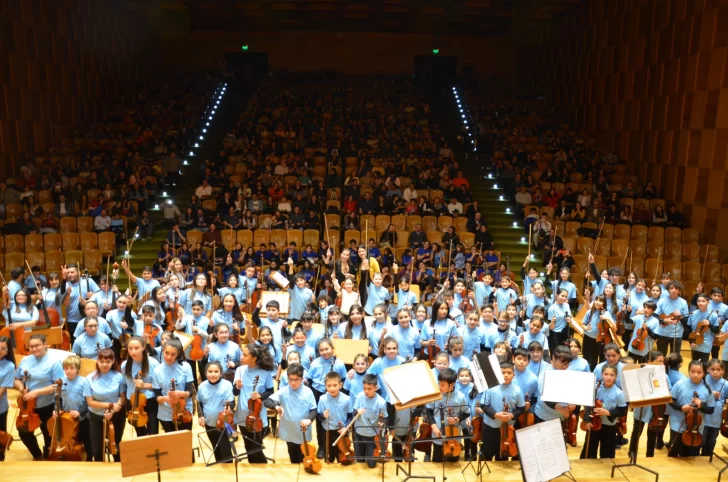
x,y
639,343
346,450
311,464
425,433
196,350
477,426
701,328
226,417
658,422
526,419
28,419
110,433
179,409
138,416
381,440
508,446
253,421
451,448
692,437
64,433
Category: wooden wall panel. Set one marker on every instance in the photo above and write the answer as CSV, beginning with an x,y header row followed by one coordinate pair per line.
x,y
649,80
61,63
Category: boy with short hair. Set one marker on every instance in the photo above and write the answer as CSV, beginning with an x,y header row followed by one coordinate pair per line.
x,y
334,411
526,381
373,410
296,409
74,393
300,296
645,318
271,321
493,405
450,411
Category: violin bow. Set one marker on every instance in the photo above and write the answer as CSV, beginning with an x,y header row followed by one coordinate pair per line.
x,y
705,260
657,268
624,261
351,424
553,251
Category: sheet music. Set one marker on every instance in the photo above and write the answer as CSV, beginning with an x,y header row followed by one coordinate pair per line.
x,y
543,451
282,297
491,369
408,382
645,383
567,386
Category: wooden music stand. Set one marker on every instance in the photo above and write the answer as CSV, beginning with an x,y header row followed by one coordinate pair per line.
x,y
155,453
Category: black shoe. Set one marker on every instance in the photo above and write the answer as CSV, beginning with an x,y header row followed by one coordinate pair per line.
x,y
320,454
660,445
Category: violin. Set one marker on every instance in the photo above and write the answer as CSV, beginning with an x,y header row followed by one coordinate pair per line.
x,y
595,421
151,332
658,422
701,328
170,316
622,425
381,441
28,419
110,433
569,427
451,448
432,351
196,350
477,426
424,434
604,334
138,416
311,464
179,410
228,374
527,418
346,450
622,316
46,316
692,437
639,343
508,446
6,441
253,421
723,422
226,417
64,432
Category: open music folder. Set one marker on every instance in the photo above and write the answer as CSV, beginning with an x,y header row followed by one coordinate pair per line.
x,y
645,385
542,451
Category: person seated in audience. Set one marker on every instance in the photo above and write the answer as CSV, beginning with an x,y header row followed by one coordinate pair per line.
x,y
204,190
625,217
553,198
523,199
570,198
102,222
63,207
170,213
629,191
563,211
659,218
49,224
549,245
649,192
417,238
675,218
642,215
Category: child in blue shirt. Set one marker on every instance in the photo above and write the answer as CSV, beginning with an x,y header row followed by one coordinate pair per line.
x,y
353,385
502,404
453,409
613,407
300,296
334,409
675,309
712,422
457,359
73,396
466,387
701,351
684,400
651,323
505,295
316,377
296,409
106,393
214,396
526,381
373,410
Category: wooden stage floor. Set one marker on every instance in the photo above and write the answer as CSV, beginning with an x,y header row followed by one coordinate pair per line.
x,y
673,470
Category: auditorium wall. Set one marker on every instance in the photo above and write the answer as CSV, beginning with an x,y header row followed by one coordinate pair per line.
x,y
351,53
649,79
62,62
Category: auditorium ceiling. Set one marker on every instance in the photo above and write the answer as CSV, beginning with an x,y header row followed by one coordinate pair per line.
x,y
438,17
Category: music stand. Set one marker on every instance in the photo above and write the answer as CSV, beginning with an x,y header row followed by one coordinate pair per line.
x,y
155,453
408,460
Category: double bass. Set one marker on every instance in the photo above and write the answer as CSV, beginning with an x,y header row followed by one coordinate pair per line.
x,y
28,419
64,432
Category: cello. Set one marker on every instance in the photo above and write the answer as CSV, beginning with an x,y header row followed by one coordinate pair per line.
x,y
138,416
508,446
423,442
64,433
253,422
311,464
28,419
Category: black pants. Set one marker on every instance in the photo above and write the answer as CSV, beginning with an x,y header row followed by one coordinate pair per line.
x,y
698,355
169,428
220,443
253,442
557,338
201,365
471,449
333,449
491,444
72,329
3,428
96,430
28,438
710,437
667,344
626,337
605,440
152,426
294,452
679,449
638,358
592,351
364,447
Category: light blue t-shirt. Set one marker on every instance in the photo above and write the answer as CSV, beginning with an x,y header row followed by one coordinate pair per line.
x,y
213,398
43,372
87,346
161,380
248,375
7,380
106,387
296,406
